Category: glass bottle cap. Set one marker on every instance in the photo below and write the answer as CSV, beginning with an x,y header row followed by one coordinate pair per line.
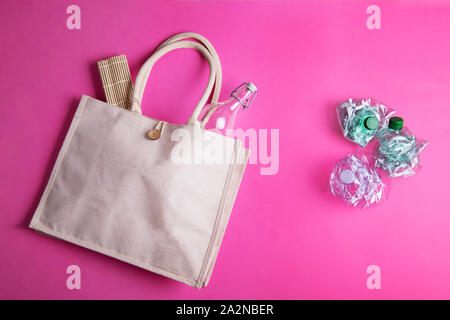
x,y
251,87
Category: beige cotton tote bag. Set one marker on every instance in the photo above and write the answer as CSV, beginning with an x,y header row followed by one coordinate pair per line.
x,y
117,188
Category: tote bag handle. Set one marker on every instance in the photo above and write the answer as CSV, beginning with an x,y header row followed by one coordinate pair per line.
x,y
212,51
144,72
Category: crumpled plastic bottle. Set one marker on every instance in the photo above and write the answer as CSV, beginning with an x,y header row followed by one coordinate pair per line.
x,y
398,150
355,182
360,118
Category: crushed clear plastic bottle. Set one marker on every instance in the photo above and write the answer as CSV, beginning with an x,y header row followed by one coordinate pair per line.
x,y
360,118
398,150
355,182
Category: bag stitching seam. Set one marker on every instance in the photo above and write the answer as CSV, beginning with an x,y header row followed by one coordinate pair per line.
x,y
218,216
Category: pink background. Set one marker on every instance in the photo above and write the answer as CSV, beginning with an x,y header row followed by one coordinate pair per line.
x,y
287,236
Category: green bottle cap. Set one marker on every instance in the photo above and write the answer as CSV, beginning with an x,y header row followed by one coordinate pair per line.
x,y
396,123
371,123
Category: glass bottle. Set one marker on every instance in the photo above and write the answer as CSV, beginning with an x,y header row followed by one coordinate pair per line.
x,y
221,117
